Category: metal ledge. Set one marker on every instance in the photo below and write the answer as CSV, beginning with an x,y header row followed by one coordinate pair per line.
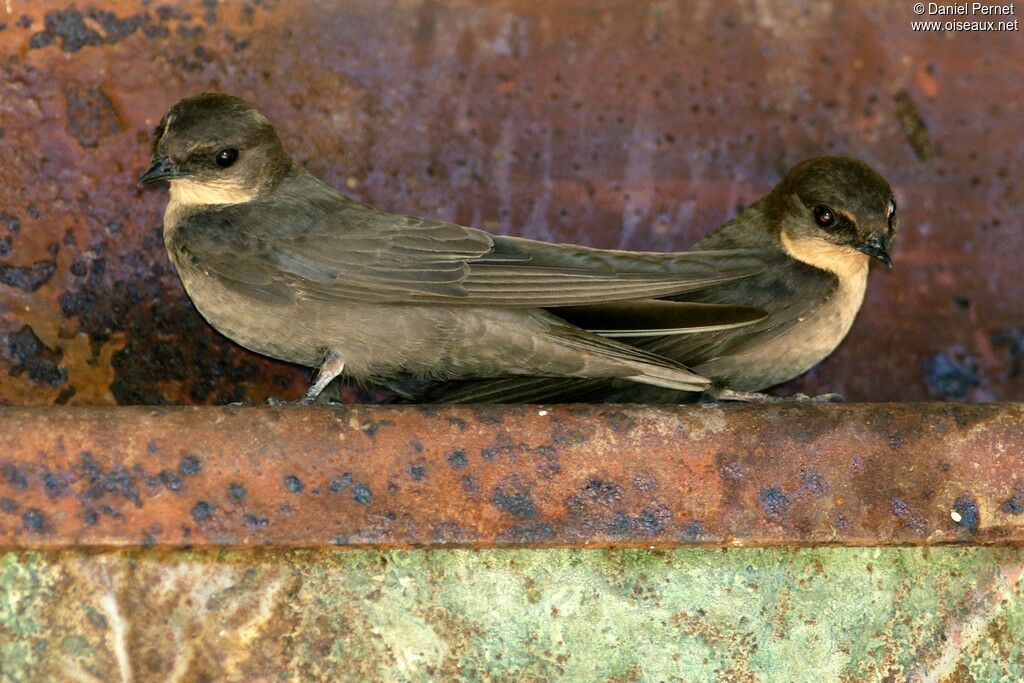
x,y
611,476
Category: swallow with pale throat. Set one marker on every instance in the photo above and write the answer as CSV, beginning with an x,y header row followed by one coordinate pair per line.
x,y
816,232
289,267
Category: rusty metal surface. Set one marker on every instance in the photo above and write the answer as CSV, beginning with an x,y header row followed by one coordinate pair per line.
x,y
611,123
512,476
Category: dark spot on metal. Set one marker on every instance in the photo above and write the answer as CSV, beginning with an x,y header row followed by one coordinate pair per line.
x,y
27,278
341,540
55,485
202,511
603,491
32,211
620,423
110,511
914,128
236,491
620,524
362,494
967,508
13,224
416,446
773,501
470,484
502,446
186,31
34,521
190,465
90,114
166,12
340,482
7,505
961,302
458,422
417,471
813,481
40,40
24,21
253,520
896,441
952,374
116,482
155,31
1014,505
151,447
211,11
959,416
75,32
5,245
90,517
899,507
457,458
13,475
36,359
293,484
653,520
64,396
693,532
514,497
171,480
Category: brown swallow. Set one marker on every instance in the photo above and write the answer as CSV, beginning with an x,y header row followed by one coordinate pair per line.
x,y
291,268
816,232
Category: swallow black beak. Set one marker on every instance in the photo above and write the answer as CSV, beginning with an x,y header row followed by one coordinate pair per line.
x,y
162,169
876,246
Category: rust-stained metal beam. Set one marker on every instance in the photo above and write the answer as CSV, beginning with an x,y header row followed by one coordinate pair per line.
x,y
867,474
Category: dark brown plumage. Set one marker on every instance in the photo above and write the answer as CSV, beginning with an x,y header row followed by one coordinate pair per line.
x,y
815,232
289,267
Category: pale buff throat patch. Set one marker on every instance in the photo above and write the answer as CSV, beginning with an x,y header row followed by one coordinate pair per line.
x,y
845,262
185,192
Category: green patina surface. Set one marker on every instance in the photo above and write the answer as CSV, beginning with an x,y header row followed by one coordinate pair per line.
x,y
951,613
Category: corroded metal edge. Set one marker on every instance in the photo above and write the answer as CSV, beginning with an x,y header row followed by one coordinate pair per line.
x,y
572,475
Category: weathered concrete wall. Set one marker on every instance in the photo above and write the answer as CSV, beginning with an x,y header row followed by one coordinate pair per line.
x,y
630,124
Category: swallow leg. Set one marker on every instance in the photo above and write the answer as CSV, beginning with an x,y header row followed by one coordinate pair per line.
x,y
722,394
329,369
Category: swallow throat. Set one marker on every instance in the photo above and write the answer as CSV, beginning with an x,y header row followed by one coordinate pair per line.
x,y
186,193
848,264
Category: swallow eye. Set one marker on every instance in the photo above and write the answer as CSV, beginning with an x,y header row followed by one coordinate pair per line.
x,y
226,157
825,217
892,211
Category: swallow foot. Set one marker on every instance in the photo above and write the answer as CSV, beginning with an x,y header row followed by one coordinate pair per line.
x,y
714,395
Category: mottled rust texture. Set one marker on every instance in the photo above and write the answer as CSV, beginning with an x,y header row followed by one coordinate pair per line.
x,y
876,474
632,124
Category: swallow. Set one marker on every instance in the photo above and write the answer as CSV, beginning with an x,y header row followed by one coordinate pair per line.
x,y
288,267
816,232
